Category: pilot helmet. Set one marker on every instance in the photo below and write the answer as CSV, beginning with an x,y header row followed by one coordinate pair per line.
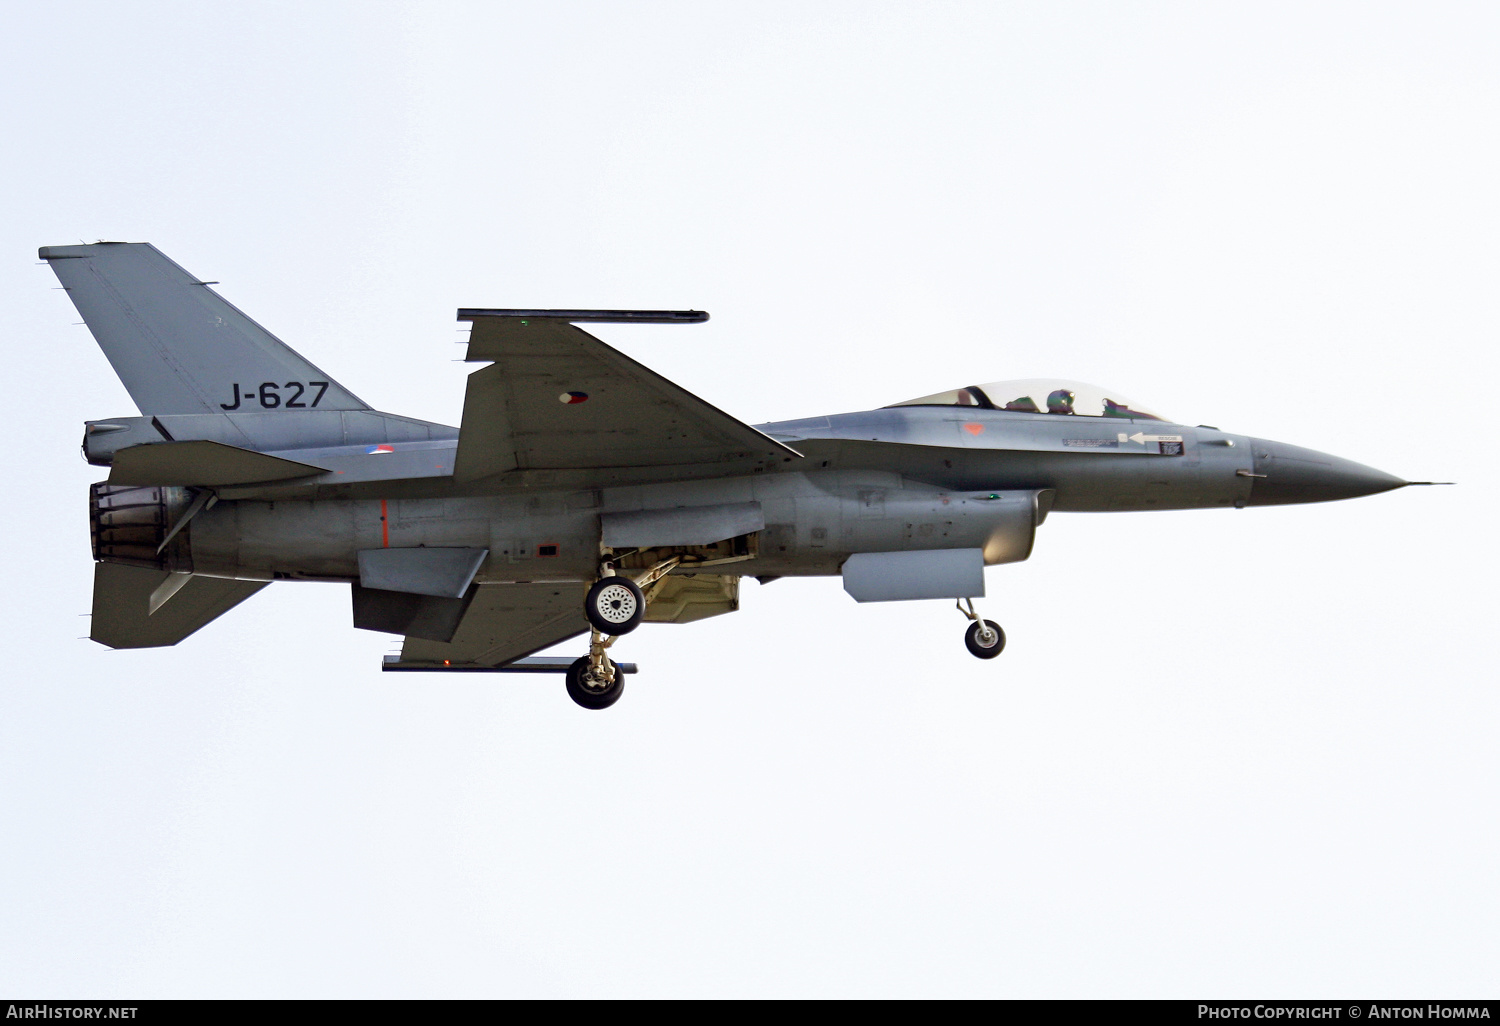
x,y
1060,401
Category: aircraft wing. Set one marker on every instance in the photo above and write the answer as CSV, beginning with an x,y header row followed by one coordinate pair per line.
x,y
504,623
557,398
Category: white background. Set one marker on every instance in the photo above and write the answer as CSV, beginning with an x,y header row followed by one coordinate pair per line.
x,y
1225,754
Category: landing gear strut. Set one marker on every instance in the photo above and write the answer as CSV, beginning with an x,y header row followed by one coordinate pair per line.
x,y
984,638
615,606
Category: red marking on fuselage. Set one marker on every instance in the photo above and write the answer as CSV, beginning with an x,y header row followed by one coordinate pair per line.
x,y
385,527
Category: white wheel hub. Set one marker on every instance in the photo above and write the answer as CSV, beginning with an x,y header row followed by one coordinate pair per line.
x,y
615,603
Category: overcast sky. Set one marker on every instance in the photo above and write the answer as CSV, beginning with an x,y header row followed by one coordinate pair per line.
x,y
1225,753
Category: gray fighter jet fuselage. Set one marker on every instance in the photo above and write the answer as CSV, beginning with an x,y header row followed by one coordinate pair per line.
x,y
582,492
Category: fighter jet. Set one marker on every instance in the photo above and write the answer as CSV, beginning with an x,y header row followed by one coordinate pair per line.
x,y
582,493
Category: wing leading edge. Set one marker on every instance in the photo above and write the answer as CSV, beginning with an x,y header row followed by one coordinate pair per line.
x,y
557,398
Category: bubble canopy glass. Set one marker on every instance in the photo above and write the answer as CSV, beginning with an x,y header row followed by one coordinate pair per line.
x,y
1039,395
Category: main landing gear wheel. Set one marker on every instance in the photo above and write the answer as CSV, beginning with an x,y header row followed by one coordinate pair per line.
x,y
590,692
985,639
615,605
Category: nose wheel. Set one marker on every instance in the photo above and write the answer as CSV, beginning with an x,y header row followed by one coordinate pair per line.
x,y
984,639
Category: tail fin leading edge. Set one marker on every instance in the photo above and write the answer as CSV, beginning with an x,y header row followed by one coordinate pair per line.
x,y
179,347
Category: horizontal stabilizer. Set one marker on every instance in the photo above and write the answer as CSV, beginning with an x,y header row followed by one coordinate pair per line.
x,y
201,463
440,572
124,597
683,525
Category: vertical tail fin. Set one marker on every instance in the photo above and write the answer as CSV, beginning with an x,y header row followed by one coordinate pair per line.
x,y
178,346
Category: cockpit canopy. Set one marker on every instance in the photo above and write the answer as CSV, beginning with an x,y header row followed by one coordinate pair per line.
x,y
1039,395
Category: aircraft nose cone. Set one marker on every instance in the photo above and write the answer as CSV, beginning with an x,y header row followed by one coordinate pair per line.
x,y
1294,474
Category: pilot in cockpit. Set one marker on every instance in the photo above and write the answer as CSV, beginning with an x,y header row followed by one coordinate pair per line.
x,y
1114,409
1060,401
1054,396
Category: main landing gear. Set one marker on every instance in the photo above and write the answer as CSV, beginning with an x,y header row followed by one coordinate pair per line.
x,y
595,687
615,605
984,638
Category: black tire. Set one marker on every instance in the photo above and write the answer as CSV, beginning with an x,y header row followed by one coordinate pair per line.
x,y
971,640
593,698
615,606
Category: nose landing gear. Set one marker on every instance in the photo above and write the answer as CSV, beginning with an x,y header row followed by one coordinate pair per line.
x,y
984,639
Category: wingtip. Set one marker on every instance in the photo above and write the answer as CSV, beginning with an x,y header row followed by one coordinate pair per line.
x,y
588,316
79,252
